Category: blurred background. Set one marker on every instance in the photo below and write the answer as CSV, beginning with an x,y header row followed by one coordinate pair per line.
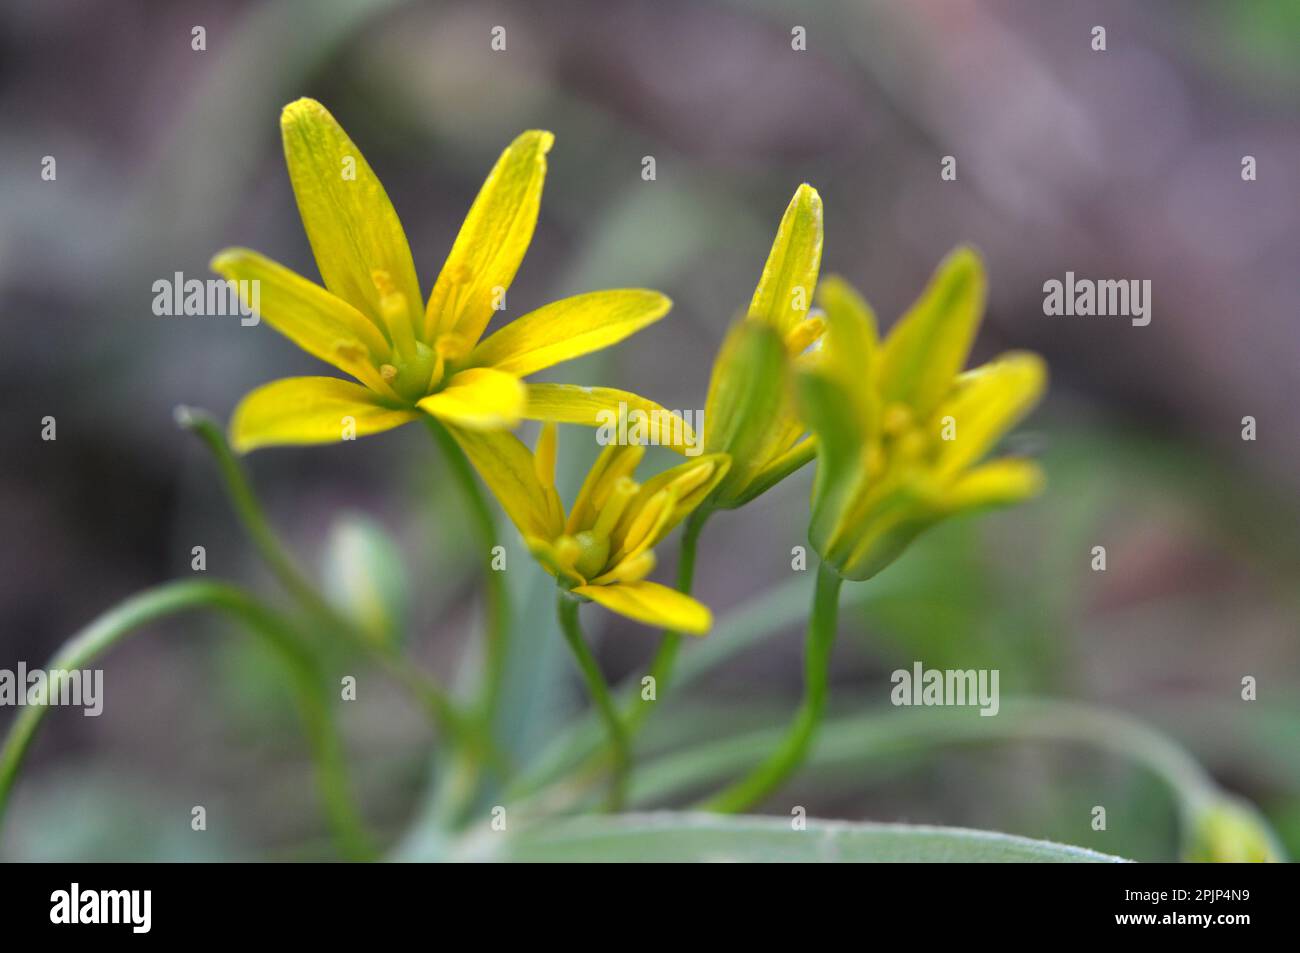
x,y
1119,164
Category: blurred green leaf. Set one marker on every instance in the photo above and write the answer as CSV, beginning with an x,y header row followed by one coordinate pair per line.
x,y
365,578
713,838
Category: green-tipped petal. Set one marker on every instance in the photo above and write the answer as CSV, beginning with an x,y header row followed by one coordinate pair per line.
x,y
789,280
930,344
841,456
749,411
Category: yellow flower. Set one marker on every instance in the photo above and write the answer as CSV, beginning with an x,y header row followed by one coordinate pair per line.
x,y
603,549
900,429
1228,830
370,320
750,413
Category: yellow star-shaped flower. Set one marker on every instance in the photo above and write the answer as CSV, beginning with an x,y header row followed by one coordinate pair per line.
x,y
371,321
603,549
901,429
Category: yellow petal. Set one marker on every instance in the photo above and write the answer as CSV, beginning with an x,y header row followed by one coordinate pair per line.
x,y
353,229
507,468
479,399
569,328
604,408
845,306
549,558
652,604
299,410
785,290
689,484
629,570
848,355
987,402
320,323
999,483
492,241
544,455
925,350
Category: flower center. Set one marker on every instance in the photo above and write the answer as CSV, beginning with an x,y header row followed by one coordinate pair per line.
x,y
593,552
414,375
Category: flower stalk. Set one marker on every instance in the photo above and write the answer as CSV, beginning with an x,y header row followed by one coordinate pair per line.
x,y
497,637
619,748
670,642
794,747
423,688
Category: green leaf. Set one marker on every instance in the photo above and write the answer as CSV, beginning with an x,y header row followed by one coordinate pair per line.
x,y
710,837
365,578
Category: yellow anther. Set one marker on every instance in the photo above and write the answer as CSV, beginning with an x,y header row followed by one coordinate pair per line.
x,y
896,419
387,372
805,333
452,347
393,311
349,350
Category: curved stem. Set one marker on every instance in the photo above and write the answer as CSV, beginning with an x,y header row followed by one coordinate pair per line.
x,y
567,610
793,749
670,642
277,557
498,599
250,513
121,621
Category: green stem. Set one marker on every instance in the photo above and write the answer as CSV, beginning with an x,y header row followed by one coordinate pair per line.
x,y
121,621
277,557
793,749
567,609
670,642
498,598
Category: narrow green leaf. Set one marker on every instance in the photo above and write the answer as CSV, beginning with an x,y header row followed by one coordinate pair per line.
x,y
686,838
